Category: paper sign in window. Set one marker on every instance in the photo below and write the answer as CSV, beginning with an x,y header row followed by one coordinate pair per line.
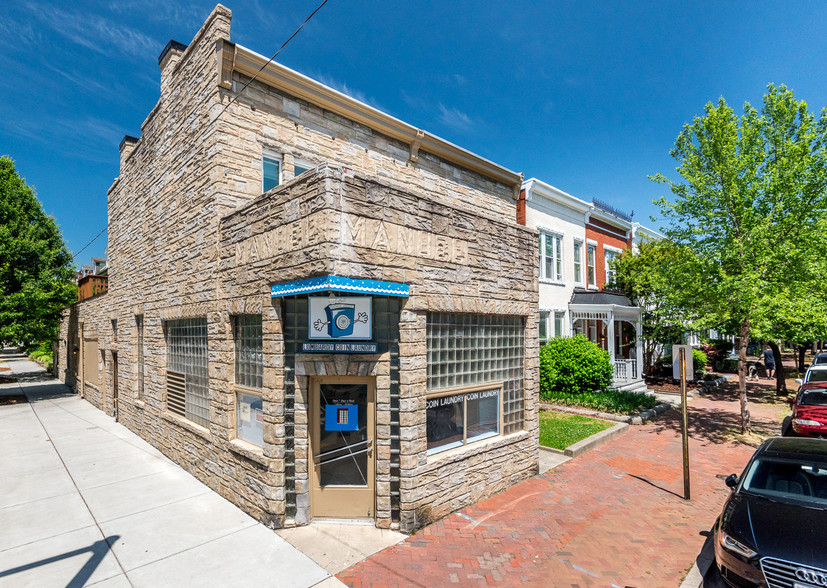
x,y
341,417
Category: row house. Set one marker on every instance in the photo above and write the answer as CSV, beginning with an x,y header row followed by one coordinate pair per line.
x,y
578,242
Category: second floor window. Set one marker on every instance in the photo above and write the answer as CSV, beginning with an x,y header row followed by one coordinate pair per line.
x,y
270,172
578,262
590,265
611,273
551,257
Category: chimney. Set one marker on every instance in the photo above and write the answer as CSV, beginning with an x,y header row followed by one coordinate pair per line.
x,y
169,58
126,148
521,205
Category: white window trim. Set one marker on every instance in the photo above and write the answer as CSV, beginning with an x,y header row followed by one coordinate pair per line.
x,y
612,249
589,285
544,279
582,265
302,163
591,242
265,154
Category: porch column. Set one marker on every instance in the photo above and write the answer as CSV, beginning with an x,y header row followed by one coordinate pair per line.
x,y
639,348
610,338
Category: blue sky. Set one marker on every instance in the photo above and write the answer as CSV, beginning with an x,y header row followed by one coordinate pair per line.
x,y
587,96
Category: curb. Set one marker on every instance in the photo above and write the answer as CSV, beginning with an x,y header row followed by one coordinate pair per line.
x,y
589,443
607,416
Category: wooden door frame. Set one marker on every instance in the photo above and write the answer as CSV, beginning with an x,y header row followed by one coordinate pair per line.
x,y
317,507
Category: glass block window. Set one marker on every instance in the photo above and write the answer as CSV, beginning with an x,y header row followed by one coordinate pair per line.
x,y
187,355
249,364
551,257
468,350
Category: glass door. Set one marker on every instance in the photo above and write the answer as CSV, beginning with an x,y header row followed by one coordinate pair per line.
x,y
342,477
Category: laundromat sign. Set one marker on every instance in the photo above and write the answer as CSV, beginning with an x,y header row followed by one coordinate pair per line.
x,y
340,325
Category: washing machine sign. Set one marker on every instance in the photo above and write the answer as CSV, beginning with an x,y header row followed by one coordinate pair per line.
x,y
340,318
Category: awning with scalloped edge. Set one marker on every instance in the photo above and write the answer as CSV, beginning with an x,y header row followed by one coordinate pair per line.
x,y
340,284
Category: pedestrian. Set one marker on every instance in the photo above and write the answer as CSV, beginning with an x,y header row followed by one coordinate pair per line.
x,y
769,362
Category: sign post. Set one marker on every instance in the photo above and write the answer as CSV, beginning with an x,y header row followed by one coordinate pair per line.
x,y
685,423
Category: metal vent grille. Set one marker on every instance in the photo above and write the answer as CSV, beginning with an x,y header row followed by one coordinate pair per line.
x,y
176,392
781,574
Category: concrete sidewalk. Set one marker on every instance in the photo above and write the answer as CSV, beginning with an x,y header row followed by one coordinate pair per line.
x,y
84,501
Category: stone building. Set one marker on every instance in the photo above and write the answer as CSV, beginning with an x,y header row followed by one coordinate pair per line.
x,y
315,308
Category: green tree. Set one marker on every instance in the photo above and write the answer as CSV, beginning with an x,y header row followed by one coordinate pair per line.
x,y
749,209
646,276
35,265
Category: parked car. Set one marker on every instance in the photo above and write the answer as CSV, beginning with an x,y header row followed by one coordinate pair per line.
x,y
771,532
809,417
815,373
820,359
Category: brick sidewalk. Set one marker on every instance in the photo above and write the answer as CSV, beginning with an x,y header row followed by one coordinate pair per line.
x,y
612,517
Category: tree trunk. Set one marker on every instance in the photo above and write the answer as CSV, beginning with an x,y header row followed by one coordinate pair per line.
x,y
742,374
780,374
801,350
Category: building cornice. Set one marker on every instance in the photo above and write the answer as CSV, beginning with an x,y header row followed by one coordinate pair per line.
x,y
237,58
534,187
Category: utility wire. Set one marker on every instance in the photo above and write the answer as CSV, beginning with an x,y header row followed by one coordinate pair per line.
x,y
90,242
312,14
272,58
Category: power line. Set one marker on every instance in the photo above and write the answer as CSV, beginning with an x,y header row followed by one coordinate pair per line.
x,y
312,14
272,58
90,242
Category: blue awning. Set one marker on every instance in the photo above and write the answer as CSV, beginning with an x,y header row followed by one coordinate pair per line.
x,y
340,284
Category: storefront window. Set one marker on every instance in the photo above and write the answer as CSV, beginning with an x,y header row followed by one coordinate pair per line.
x,y
470,350
457,419
250,419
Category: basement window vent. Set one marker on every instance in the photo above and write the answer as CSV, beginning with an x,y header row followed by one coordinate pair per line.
x,y
176,393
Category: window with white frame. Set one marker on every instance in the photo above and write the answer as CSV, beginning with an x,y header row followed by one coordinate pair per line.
x,y
249,368
270,171
611,273
590,264
578,262
559,317
543,327
300,166
551,257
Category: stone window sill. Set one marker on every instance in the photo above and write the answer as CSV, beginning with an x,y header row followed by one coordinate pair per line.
x,y
251,452
187,424
140,404
552,282
466,451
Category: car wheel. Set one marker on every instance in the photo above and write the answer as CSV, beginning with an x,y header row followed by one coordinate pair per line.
x,y
787,427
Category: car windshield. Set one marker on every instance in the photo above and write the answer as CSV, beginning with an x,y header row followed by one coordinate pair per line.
x,y
817,376
820,359
788,480
814,397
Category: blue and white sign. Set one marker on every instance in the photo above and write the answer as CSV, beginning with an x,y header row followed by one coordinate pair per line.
x,y
341,417
348,318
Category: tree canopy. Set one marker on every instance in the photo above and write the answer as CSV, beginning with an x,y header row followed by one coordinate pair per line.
x,y
35,265
749,209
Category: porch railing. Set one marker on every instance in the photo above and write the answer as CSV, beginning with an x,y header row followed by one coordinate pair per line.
x,y
625,370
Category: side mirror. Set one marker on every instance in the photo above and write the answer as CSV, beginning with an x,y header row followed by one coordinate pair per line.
x,y
799,381
732,480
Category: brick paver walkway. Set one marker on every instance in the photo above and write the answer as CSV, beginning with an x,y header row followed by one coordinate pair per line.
x,y
612,517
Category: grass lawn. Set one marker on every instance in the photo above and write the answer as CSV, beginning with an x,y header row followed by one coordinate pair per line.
x,y
559,430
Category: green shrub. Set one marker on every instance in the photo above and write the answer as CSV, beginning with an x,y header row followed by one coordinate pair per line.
x,y
699,360
573,365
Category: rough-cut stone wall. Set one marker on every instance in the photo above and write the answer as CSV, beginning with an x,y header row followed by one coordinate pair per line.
x,y
455,261
447,231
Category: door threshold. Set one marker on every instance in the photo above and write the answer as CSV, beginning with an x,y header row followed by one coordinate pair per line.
x,y
338,521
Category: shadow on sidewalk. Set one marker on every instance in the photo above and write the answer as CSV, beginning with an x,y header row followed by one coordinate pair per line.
x,y
98,549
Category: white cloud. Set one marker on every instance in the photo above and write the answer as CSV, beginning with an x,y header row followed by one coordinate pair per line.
x,y
454,118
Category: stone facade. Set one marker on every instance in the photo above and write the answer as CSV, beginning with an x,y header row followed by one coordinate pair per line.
x,y
192,236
